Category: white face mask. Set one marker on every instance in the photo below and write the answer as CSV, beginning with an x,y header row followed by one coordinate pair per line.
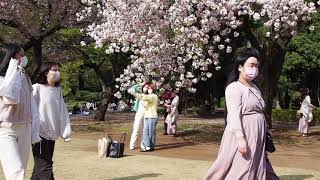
x,y
54,75
251,72
150,91
23,61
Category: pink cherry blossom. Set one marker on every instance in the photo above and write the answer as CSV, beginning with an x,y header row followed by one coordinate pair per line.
x,y
179,40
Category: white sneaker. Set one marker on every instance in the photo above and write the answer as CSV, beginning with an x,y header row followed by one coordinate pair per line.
x,y
148,148
131,148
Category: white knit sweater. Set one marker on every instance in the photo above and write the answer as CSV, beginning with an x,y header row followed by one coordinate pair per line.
x,y
54,116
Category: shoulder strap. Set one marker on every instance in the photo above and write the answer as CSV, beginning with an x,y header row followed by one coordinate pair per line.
x,y
123,138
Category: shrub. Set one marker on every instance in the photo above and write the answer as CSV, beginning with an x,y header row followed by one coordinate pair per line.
x,y
284,115
291,115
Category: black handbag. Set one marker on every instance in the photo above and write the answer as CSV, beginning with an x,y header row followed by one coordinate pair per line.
x,y
116,148
269,145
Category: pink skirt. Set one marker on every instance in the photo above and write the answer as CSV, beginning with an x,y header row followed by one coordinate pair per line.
x,y
172,129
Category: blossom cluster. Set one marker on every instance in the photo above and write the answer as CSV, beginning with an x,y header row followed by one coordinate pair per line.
x,y
181,40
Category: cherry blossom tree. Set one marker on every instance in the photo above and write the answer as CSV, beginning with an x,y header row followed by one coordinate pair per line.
x,y
32,21
182,40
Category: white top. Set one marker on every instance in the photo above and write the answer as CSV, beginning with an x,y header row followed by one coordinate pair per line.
x,y
10,87
174,113
142,107
23,111
54,116
306,107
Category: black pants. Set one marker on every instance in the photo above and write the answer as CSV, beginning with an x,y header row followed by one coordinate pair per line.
x,y
42,155
165,125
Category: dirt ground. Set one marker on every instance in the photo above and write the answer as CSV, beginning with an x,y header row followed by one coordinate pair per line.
x,y
187,156
201,136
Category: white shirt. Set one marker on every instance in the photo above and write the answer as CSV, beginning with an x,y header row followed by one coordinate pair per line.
x,y
174,113
306,108
54,116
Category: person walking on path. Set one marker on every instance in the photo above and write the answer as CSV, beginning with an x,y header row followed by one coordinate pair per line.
x,y
305,112
54,119
242,153
19,116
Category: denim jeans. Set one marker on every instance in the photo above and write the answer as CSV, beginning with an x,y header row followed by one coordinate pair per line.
x,y
149,132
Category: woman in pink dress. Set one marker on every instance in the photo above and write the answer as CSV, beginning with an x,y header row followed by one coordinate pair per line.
x,y
242,153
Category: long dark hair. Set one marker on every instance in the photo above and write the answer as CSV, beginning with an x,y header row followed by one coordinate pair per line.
x,y
304,93
146,84
11,51
41,78
234,75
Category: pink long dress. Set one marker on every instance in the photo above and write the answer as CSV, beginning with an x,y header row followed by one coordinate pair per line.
x,y
245,118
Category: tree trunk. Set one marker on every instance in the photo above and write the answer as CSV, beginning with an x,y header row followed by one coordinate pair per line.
x,y
287,99
183,105
104,98
204,111
37,58
313,82
81,80
272,58
280,100
101,112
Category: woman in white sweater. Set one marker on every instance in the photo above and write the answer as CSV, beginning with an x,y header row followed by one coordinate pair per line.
x,y
54,119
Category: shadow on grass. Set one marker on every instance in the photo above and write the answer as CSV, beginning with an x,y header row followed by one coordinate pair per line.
x,y
286,133
314,133
150,175
295,177
206,117
283,134
199,130
173,145
201,133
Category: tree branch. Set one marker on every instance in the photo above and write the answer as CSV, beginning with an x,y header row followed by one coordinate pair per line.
x,y
10,23
47,17
249,34
51,31
16,25
27,45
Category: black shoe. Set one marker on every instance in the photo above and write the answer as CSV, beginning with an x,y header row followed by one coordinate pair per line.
x,y
165,134
152,149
